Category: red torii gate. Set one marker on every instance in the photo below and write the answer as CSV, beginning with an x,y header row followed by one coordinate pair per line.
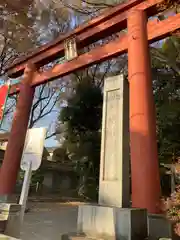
x,y
143,145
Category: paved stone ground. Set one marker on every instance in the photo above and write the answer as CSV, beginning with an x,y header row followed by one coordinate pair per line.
x,y
48,221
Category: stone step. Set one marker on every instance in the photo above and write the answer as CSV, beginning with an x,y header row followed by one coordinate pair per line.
x,y
76,236
2,225
73,236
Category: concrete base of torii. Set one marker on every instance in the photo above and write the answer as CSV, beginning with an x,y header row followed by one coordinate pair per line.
x,y
112,223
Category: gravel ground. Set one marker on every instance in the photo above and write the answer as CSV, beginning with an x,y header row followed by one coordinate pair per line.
x,y
48,221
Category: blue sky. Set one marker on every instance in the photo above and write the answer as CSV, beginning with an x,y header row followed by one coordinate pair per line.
x,y
45,122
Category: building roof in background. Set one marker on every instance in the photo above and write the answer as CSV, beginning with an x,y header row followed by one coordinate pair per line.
x,y
4,137
51,149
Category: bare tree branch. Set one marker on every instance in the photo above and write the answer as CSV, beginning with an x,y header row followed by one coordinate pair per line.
x,y
98,4
51,135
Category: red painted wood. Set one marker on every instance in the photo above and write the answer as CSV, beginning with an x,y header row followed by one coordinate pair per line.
x,y
3,95
16,138
156,30
105,52
143,144
110,22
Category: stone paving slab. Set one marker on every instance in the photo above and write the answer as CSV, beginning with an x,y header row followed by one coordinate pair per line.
x,y
75,236
5,237
49,221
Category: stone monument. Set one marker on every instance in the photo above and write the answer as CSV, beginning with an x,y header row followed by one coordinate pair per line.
x,y
114,183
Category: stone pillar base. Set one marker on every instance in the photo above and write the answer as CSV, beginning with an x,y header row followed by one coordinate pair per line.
x,y
160,227
10,217
95,221
8,199
74,236
112,223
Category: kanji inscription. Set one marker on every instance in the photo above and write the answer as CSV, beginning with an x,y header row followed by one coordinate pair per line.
x,y
111,135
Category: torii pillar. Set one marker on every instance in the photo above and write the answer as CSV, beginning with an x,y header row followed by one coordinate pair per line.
x,y
143,143
11,163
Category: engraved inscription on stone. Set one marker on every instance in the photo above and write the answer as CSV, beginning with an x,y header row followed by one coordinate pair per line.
x,y
113,95
112,131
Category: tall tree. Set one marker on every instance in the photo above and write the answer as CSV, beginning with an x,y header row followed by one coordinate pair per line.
x,y
166,76
82,138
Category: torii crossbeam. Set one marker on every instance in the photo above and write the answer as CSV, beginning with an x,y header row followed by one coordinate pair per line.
x,y
133,16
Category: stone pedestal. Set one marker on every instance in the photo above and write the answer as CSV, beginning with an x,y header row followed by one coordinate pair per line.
x,y
160,227
95,221
114,183
10,217
8,199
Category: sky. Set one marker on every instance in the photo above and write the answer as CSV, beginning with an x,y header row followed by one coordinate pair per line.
x,y
45,122
51,142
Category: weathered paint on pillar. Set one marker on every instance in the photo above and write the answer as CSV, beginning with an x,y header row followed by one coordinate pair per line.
x,y
143,144
12,158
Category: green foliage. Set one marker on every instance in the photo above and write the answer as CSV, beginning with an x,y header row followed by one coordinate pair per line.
x,y
82,105
82,139
37,177
166,76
